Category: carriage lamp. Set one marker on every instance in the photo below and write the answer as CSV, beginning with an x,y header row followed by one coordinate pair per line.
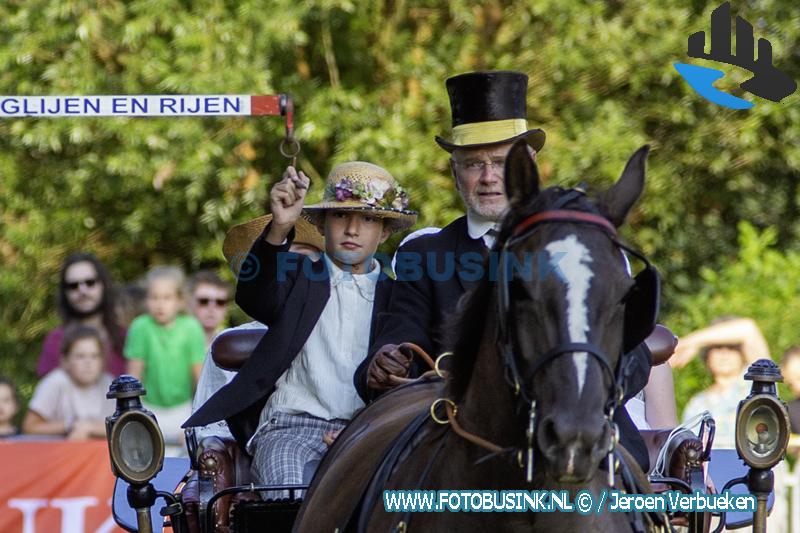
x,y
135,445
762,419
762,433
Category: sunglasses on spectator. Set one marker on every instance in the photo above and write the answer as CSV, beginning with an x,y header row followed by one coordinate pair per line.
x,y
74,285
220,302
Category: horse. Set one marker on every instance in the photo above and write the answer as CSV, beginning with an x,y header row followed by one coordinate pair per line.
x,y
533,379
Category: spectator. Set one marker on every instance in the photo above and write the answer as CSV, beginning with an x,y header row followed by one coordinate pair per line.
x,y
307,241
209,301
71,400
85,296
727,347
9,407
165,349
790,368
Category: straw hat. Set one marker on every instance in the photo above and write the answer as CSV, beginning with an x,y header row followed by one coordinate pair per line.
x,y
362,186
241,237
489,108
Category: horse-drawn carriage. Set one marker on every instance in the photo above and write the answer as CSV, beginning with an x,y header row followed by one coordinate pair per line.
x,y
481,425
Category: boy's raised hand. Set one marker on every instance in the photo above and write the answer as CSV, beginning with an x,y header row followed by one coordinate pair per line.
x,y
286,203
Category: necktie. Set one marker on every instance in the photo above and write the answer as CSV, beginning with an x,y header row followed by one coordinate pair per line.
x,y
489,237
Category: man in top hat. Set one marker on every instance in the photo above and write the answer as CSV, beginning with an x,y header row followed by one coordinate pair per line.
x,y
488,116
297,385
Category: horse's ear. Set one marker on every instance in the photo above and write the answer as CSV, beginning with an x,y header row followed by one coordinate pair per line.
x,y
521,174
620,197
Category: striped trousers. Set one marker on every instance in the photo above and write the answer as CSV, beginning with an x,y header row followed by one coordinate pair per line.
x,y
287,450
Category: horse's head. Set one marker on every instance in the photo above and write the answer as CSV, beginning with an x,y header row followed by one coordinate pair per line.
x,y
568,308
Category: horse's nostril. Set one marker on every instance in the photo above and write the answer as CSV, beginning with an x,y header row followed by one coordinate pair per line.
x,y
548,434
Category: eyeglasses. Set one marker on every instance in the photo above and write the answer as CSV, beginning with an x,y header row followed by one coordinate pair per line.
x,y
220,302
477,166
74,285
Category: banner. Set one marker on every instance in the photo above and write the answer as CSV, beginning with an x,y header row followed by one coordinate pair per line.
x,y
56,487
142,105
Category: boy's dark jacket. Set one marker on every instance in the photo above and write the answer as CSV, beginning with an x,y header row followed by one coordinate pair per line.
x,y
290,303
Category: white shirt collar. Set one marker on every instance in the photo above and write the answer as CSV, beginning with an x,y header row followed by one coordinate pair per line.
x,y
478,227
365,282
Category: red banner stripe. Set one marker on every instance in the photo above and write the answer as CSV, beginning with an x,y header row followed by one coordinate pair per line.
x,y
265,105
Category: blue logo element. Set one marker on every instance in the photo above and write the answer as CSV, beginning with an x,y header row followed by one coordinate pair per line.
x,y
702,80
245,266
767,82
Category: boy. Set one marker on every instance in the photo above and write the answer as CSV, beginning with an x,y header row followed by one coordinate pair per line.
x,y
238,242
165,349
298,384
209,304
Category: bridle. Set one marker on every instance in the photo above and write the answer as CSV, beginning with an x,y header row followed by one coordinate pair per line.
x,y
641,299
521,231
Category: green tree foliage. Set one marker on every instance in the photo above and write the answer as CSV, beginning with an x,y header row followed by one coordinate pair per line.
x,y
368,78
762,283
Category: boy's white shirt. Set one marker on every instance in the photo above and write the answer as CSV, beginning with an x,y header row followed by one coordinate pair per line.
x,y
319,381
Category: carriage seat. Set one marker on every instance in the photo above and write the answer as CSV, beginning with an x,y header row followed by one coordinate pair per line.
x,y
220,465
684,454
220,462
232,348
661,343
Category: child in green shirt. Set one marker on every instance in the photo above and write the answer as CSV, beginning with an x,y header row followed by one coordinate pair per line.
x,y
165,349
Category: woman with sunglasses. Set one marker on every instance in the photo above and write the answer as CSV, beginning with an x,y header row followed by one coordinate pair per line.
x,y
85,296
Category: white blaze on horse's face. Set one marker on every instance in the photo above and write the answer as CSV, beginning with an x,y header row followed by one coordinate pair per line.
x,y
572,257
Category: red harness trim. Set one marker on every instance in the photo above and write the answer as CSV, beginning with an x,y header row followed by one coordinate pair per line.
x,y
564,215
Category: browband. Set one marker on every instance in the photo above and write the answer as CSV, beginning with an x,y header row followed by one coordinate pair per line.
x,y
564,215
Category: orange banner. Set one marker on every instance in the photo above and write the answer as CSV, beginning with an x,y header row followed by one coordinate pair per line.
x,y
55,487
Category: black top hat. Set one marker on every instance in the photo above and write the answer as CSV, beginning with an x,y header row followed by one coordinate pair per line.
x,y
489,108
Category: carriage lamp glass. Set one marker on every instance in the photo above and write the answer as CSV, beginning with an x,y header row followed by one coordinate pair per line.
x,y
135,443
762,419
136,446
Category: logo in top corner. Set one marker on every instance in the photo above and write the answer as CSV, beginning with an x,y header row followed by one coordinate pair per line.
x,y
767,82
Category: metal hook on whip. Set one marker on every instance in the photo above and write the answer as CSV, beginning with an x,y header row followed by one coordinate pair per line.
x,y
289,146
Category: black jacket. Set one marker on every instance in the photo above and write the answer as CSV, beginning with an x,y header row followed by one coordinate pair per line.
x,y
288,293
424,298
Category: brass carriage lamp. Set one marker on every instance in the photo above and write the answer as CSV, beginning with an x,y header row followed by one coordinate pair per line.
x,y
762,419
762,433
135,445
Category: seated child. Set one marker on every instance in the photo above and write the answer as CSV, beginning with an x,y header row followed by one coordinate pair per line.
x,y
165,350
9,407
297,385
71,400
238,241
